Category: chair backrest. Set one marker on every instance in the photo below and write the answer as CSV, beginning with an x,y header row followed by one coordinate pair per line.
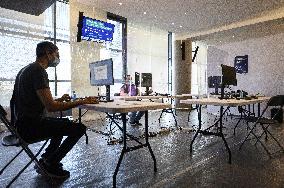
x,y
2,111
277,100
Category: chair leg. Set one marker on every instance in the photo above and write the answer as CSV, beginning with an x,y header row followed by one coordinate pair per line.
x,y
33,159
275,139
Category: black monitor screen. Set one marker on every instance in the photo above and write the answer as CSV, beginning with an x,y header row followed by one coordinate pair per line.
x,y
214,81
101,73
146,79
229,75
137,78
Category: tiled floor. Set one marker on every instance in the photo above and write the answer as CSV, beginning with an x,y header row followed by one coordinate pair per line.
x,y
93,165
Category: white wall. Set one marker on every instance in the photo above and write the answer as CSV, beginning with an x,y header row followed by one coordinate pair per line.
x,y
265,63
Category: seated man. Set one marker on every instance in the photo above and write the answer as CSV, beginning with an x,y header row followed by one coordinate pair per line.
x,y
31,97
130,89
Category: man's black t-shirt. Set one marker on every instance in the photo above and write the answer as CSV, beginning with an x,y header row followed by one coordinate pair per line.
x,y
27,103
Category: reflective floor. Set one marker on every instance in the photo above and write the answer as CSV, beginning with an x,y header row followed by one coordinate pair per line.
x,y
93,164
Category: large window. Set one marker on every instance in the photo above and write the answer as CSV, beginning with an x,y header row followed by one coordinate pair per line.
x,y
199,70
117,51
19,35
59,77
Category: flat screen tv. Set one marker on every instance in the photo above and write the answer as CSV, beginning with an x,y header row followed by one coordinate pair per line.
x,y
94,30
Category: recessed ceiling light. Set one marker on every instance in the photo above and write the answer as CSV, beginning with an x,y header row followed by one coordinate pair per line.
x,y
173,23
155,16
120,3
180,26
185,13
145,13
233,36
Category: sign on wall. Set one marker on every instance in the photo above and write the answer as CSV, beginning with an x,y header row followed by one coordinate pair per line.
x,y
241,64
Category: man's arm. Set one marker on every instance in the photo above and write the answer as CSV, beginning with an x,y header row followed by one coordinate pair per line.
x,y
53,106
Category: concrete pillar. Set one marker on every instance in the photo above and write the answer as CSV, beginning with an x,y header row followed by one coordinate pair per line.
x,y
182,69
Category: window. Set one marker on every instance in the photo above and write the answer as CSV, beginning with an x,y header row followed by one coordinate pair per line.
x,y
19,35
117,51
59,77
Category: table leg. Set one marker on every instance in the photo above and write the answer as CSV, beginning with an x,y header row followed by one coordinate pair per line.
x,y
147,141
199,128
222,135
123,116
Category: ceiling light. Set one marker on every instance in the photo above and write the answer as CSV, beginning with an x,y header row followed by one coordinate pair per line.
x,y
185,13
233,36
173,23
145,13
180,26
120,3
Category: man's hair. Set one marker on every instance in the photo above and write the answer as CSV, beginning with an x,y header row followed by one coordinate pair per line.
x,y
45,47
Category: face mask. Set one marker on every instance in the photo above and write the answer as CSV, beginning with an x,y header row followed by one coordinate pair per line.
x,y
53,63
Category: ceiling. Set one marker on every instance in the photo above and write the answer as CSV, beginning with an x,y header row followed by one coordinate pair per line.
x,y
193,18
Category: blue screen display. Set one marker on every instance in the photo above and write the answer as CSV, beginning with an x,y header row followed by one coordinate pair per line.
x,y
97,30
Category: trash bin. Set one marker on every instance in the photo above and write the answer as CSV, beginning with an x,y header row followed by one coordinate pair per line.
x,y
279,116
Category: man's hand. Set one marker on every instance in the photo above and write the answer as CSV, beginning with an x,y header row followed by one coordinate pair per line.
x,y
65,98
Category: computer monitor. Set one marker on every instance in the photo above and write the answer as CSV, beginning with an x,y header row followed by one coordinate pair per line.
x,y
146,81
214,82
228,77
101,74
137,79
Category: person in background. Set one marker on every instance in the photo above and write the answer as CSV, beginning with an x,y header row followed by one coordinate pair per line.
x,y
130,89
31,98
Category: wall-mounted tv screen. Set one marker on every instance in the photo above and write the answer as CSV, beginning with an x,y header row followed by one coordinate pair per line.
x,y
94,30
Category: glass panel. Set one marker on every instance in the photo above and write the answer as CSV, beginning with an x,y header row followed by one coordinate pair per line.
x,y
64,67
117,36
6,88
15,53
62,88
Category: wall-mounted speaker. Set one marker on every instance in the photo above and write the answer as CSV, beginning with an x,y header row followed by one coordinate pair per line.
x,y
183,50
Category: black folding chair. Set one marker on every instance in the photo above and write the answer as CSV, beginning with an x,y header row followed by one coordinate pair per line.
x,y
21,143
278,102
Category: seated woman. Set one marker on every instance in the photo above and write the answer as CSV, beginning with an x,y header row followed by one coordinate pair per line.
x,y
131,90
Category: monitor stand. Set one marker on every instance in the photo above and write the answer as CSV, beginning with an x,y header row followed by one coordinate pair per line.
x,y
216,89
108,94
147,90
222,92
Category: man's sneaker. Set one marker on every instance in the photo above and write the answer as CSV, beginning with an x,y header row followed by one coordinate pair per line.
x,y
53,171
138,123
132,123
41,161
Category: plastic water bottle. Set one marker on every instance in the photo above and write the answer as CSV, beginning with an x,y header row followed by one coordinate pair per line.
x,y
74,96
241,94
